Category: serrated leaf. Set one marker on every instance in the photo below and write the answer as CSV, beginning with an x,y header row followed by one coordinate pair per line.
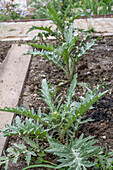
x,y
48,29
47,96
54,17
21,111
71,90
47,46
75,154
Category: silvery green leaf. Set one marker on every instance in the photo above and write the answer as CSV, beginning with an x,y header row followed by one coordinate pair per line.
x,y
75,154
47,96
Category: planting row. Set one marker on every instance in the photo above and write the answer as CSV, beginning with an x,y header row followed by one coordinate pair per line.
x,y
52,130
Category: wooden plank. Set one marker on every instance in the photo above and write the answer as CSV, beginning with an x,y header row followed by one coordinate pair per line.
x,y
13,73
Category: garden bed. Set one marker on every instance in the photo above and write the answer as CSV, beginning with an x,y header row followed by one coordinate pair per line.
x,y
94,68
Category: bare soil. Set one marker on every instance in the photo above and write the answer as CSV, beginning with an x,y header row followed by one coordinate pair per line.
x,y
4,48
94,68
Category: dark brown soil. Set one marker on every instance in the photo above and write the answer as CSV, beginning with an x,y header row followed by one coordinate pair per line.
x,y
4,47
94,68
